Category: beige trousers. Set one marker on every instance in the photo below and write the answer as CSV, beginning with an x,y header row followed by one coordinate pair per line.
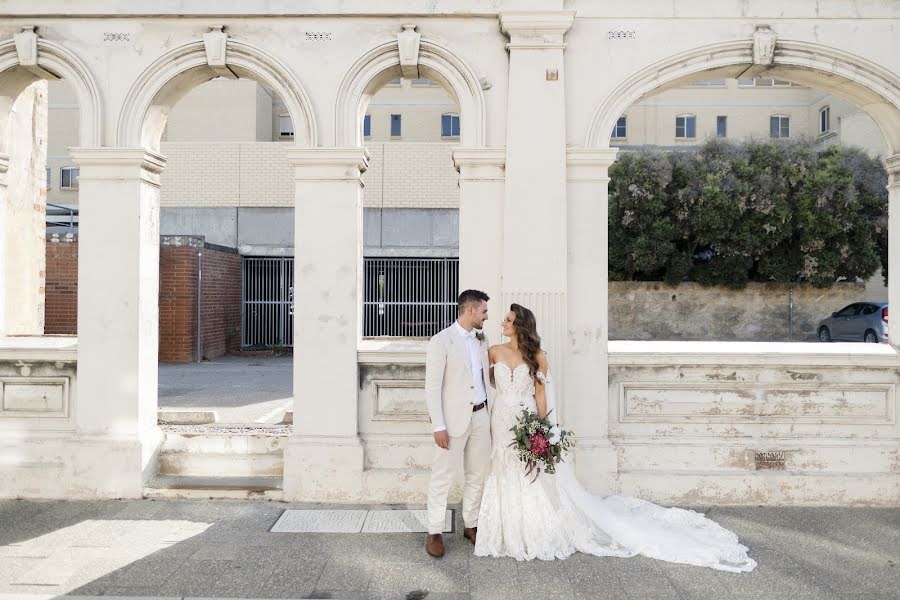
x,y
473,449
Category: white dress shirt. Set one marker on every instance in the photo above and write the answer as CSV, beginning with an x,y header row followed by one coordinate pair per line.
x,y
473,349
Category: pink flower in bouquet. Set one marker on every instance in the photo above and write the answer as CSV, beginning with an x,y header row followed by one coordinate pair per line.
x,y
539,444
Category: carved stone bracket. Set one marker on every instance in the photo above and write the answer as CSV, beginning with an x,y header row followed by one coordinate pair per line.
x,y
764,45
408,43
27,50
216,43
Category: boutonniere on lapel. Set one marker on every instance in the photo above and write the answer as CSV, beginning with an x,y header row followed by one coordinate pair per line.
x,y
479,335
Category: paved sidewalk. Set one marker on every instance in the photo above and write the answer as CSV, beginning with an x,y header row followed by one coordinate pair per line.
x,y
223,549
240,389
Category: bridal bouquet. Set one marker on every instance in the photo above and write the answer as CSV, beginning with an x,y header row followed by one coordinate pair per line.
x,y
540,444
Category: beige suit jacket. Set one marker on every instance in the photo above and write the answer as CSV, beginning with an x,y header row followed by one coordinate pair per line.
x,y
448,381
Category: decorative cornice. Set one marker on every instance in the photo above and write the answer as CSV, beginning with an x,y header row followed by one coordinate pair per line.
x,y
480,164
118,164
328,164
892,166
543,30
589,164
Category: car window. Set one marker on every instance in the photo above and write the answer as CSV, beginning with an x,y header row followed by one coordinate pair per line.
x,y
849,311
868,309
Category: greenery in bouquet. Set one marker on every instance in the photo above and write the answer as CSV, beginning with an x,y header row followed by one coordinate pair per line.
x,y
540,443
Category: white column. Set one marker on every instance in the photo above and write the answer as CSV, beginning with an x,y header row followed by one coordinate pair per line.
x,y
4,223
892,164
24,200
534,211
324,457
481,197
118,315
587,400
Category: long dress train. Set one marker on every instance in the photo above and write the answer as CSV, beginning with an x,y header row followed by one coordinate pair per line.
x,y
555,516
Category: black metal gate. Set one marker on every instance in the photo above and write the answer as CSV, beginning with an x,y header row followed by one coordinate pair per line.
x,y
267,312
409,297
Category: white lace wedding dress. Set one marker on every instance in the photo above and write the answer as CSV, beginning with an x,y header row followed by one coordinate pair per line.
x,y
554,516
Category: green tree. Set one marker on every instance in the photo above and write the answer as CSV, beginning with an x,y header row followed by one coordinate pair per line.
x,y
727,213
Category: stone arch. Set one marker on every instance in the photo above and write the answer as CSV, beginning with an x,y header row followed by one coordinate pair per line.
x,y
871,87
382,64
62,63
174,74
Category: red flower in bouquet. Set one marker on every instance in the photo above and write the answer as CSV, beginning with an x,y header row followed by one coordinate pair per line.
x,y
539,444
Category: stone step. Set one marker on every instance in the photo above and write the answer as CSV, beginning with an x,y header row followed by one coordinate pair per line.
x,y
212,454
175,486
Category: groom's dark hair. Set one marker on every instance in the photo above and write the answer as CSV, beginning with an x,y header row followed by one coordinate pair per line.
x,y
470,297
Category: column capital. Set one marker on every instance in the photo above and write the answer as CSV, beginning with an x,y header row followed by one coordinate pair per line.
x,y
536,30
589,164
480,164
119,163
4,167
892,166
328,164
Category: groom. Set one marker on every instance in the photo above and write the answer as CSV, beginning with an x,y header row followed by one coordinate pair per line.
x,y
456,392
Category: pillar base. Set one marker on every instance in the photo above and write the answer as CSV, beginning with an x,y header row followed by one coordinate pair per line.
x,y
77,466
323,469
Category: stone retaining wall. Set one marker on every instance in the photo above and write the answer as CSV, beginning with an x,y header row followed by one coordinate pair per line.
x,y
762,312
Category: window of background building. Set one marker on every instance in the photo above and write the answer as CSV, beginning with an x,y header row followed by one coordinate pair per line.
x,y
68,178
49,176
824,119
367,126
764,82
450,125
779,126
286,126
721,126
395,125
709,83
620,129
685,126
421,82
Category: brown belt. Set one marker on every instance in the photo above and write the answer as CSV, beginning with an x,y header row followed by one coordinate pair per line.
x,y
478,407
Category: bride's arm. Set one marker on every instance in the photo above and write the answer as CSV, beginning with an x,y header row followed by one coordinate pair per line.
x,y
540,391
492,358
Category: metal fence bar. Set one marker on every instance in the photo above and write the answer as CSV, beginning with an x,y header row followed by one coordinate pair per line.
x,y
408,297
402,297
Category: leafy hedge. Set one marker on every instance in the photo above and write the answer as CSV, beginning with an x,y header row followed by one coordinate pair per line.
x,y
730,213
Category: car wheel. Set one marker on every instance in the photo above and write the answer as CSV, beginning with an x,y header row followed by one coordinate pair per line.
x,y
824,334
871,337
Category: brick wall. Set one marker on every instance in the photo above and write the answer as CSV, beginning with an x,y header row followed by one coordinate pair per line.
x,y
178,264
179,261
220,301
61,292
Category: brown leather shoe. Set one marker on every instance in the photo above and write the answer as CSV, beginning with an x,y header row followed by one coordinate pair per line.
x,y
434,545
470,533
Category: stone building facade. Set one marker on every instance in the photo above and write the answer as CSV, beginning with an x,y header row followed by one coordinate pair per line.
x,y
539,86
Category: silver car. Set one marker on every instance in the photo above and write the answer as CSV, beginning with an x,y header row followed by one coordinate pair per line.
x,y
858,322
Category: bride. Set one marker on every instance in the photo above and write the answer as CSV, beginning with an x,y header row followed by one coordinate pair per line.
x,y
553,516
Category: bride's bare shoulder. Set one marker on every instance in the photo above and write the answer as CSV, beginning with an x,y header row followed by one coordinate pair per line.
x,y
497,350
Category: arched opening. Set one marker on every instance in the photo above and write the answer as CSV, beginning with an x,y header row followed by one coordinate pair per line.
x,y
694,102
675,405
46,106
411,199
226,284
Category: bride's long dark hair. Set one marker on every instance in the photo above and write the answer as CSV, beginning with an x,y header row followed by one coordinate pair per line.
x,y
527,337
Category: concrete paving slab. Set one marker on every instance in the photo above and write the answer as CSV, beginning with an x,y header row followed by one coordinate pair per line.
x,y
224,549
